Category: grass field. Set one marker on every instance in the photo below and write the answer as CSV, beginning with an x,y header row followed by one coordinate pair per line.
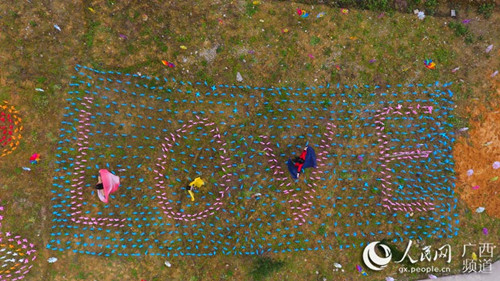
x,y
300,68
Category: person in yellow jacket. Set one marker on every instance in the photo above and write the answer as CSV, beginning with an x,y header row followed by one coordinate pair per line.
x,y
198,182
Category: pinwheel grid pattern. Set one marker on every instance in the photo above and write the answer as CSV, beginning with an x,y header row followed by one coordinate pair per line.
x,y
384,166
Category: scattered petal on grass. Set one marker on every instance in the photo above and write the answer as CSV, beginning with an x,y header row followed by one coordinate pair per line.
x,y
337,67
251,52
52,260
496,165
122,36
432,276
92,10
344,11
474,256
337,265
489,48
381,15
455,69
168,264
466,21
256,2
463,129
310,56
421,15
26,169
320,15
372,60
389,278
39,90
480,210
494,74
475,187
183,47
57,27
470,172
494,178
285,30
487,143
485,231
360,158
239,78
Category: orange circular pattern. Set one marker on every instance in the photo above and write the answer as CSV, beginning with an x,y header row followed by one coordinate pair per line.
x,y
10,129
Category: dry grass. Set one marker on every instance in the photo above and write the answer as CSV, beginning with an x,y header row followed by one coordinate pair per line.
x,y
34,54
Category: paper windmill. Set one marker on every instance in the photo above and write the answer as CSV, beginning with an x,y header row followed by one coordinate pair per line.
x,y
361,270
35,158
169,64
302,13
429,64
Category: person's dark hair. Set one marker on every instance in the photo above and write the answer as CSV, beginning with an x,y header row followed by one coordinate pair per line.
x,y
298,160
188,187
99,186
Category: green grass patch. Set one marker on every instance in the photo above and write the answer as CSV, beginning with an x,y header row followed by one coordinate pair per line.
x,y
315,40
486,9
40,102
431,6
459,28
463,31
444,55
90,34
251,9
265,266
